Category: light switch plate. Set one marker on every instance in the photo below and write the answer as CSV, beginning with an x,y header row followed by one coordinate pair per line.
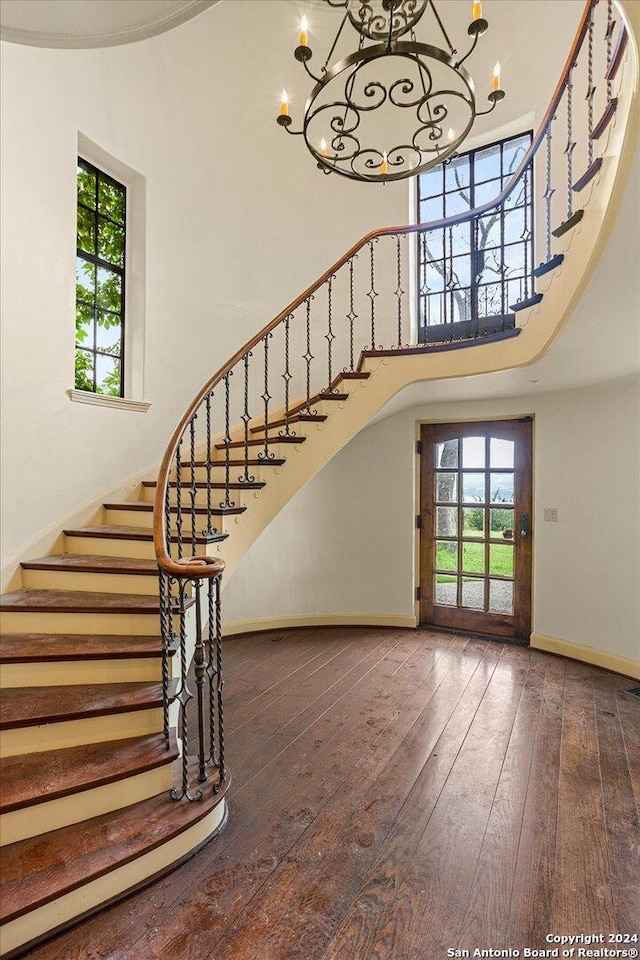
x,y
551,514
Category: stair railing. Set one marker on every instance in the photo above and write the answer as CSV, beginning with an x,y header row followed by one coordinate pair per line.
x,y
346,313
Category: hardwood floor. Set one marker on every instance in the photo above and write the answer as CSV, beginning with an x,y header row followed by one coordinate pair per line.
x,y
395,794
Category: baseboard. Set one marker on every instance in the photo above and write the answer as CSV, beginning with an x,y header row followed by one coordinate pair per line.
x,y
576,651
324,620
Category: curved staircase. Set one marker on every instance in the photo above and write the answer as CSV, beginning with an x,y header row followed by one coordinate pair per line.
x,y
95,658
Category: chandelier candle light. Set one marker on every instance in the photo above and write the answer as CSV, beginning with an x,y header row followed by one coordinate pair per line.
x,y
395,106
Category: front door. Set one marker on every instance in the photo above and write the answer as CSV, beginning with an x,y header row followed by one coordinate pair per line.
x,y
475,510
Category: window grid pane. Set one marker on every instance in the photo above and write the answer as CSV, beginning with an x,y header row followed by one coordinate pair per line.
x,y
464,273
100,281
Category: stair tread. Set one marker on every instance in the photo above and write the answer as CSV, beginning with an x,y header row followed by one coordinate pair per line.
x,y
235,444
143,507
118,531
93,563
29,706
78,601
276,462
40,647
43,868
294,418
202,484
58,773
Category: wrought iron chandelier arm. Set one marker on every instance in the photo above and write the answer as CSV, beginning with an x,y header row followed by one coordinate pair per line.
x,y
474,44
305,64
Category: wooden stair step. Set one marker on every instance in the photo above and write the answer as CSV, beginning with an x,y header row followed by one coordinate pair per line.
x,y
44,647
25,780
44,868
80,563
276,462
351,375
78,601
142,507
120,532
30,706
235,444
202,485
295,418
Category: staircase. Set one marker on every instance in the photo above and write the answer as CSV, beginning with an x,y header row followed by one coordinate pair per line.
x,y
101,770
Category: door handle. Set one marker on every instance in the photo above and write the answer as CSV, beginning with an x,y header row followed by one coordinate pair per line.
x,y
524,525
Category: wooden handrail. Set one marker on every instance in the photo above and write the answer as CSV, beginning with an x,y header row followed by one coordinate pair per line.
x,y
188,569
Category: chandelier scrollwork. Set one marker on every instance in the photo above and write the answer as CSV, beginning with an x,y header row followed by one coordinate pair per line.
x,y
395,107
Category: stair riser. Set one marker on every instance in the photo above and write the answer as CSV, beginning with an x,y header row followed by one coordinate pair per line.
x,y
144,518
42,817
241,498
110,547
37,922
79,672
122,624
68,579
276,450
72,733
259,472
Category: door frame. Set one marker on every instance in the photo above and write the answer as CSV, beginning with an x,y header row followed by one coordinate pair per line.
x,y
519,625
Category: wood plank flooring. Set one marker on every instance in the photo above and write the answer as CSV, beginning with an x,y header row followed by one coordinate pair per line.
x,y
395,794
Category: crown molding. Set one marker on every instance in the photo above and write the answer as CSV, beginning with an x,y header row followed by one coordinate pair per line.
x,y
140,28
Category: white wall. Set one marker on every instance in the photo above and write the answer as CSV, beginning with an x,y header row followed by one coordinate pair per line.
x,y
238,222
346,543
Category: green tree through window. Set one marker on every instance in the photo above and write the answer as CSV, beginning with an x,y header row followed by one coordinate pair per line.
x,y
100,278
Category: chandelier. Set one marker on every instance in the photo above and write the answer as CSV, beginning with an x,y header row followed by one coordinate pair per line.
x,y
395,107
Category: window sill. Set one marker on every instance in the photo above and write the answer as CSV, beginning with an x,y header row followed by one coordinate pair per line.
x,y
117,403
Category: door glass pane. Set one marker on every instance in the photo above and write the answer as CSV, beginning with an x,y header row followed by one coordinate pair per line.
x,y
501,596
447,454
473,487
473,522
446,555
473,451
501,453
501,487
446,521
446,590
473,557
446,487
502,521
501,559
473,593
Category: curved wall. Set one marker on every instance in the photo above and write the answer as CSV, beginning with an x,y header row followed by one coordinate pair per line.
x,y
238,222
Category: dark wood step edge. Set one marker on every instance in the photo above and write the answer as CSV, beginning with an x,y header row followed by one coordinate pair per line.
x,y
84,712
198,809
142,766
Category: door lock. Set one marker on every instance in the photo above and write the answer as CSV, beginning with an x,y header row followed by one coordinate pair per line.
x,y
524,525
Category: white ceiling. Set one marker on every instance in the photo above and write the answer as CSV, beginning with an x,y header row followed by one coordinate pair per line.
x,y
600,342
92,23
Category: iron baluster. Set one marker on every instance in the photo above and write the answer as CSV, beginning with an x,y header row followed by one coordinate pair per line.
x,y
166,632
179,497
329,336
266,396
193,490
308,356
525,235
609,36
200,667
590,88
246,478
549,191
286,376
167,519
351,316
184,696
399,290
208,529
372,294
211,670
219,684
227,502
571,145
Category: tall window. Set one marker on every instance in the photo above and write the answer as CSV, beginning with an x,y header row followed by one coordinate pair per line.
x,y
100,278
471,271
